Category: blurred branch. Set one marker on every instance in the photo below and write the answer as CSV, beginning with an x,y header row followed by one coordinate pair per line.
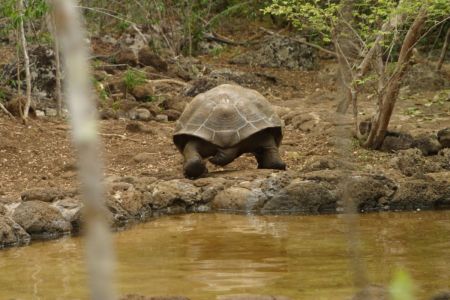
x,y
83,112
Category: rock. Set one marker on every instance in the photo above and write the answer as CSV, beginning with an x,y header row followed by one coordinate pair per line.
x,y
40,113
167,193
116,85
305,122
123,197
423,194
143,114
222,76
325,163
175,103
242,78
3,210
251,297
443,158
428,144
423,77
11,233
108,39
126,56
279,52
108,114
42,194
444,137
147,57
367,192
70,209
42,67
187,68
172,115
144,157
16,104
162,118
444,295
138,127
234,199
51,112
302,196
39,218
333,177
143,92
201,85
395,141
412,161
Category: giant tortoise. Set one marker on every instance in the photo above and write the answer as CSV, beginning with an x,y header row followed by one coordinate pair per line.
x,y
224,123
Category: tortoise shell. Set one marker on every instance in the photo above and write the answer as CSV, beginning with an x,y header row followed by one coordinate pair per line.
x,y
226,115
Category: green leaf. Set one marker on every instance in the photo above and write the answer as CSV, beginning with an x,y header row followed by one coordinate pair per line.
x,y
402,286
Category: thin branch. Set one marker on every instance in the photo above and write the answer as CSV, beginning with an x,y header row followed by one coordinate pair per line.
x,y
430,29
123,137
174,81
443,51
354,32
27,62
3,108
101,11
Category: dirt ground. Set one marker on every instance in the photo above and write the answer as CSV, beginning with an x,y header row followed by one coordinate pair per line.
x,y
39,154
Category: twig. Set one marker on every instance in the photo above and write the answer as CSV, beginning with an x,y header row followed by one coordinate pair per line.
x,y
221,39
140,33
174,81
102,11
2,107
300,41
123,137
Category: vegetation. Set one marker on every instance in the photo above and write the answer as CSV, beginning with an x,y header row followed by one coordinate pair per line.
x,y
374,44
368,36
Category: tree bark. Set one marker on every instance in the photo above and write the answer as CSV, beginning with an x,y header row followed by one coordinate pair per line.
x,y
27,62
388,98
58,65
444,51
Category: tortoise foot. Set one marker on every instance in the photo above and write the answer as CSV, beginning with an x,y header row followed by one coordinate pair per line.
x,y
194,168
224,156
279,165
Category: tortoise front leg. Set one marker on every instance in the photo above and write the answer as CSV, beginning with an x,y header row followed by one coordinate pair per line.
x,y
268,155
193,162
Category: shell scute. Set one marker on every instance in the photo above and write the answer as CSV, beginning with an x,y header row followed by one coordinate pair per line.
x,y
225,115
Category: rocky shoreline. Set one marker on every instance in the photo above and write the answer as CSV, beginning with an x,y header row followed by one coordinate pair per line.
x,y
320,188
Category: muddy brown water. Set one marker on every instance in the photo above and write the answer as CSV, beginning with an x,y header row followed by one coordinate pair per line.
x,y
205,255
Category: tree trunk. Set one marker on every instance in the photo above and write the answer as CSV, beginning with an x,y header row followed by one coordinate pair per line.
x,y
19,85
444,51
27,62
388,98
58,65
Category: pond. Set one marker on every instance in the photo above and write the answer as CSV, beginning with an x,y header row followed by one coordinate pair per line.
x,y
205,255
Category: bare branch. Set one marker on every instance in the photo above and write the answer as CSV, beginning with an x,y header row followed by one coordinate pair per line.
x,y
27,62
3,108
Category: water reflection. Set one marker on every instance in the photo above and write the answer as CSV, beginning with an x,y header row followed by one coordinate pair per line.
x,y
202,256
